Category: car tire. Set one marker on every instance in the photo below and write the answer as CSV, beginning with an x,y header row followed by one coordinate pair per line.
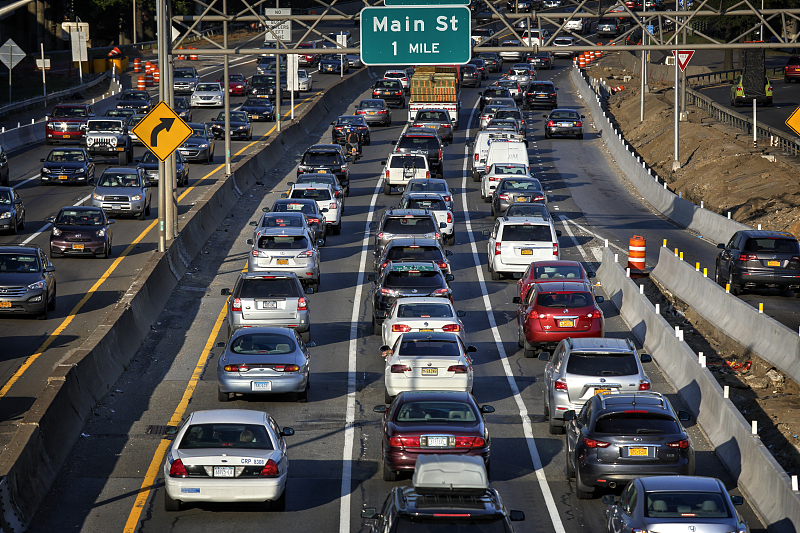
x,y
581,494
223,397
368,141
451,240
579,136
337,229
496,276
387,189
279,505
487,464
389,475
110,248
14,227
51,304
476,177
376,326
545,408
302,396
547,135
170,505
570,469
306,336
43,314
736,288
528,351
487,199
122,159
554,427
717,277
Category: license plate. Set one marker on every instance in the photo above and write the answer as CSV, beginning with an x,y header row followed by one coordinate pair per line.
x,y
269,305
526,251
602,391
371,112
5,304
67,136
426,329
522,198
223,471
77,247
774,263
116,206
438,442
283,261
637,452
255,116
566,324
430,371
565,124
260,385
62,177
322,171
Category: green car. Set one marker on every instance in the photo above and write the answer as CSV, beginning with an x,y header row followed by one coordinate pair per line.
x,y
739,96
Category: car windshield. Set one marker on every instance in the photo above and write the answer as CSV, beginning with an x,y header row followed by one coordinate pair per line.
x,y
688,505
69,112
313,194
268,288
80,217
262,81
226,436
525,233
135,97
263,343
124,113
117,179
427,186
309,208
321,158
563,300
332,57
208,87
413,143
602,364
772,245
352,120
426,347
235,77
424,310
508,113
561,115
177,73
642,423
283,242
433,116
447,412
414,253
487,55
520,185
409,226
408,161
180,103
105,125
66,156
18,263
5,198
256,102
435,204
281,221
236,116
557,272
199,132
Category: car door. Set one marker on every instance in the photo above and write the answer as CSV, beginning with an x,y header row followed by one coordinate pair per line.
x,y
389,321
574,430
19,207
492,240
553,366
280,443
50,279
615,519
725,254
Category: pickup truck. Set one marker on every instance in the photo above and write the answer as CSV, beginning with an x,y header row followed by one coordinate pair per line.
x,y
436,87
67,122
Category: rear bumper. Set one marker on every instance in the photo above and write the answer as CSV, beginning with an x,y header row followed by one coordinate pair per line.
x,y
402,459
763,278
538,336
603,475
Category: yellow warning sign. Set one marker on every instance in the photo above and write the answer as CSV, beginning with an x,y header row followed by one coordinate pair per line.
x,y
162,131
794,121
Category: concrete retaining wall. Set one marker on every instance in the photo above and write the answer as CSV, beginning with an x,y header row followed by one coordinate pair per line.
x,y
707,223
30,463
758,475
655,71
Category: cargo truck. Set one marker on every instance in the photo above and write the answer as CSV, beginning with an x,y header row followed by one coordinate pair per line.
x,y
436,87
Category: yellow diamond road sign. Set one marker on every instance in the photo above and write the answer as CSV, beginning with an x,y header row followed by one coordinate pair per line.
x,y
162,131
794,121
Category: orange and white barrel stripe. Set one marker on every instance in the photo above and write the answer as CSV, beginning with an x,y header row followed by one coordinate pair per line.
x,y
636,250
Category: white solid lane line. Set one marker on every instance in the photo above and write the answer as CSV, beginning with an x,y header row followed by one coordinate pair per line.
x,y
23,182
47,226
552,510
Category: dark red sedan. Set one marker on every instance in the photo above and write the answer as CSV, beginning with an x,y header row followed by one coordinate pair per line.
x,y
557,270
236,84
418,423
80,230
552,311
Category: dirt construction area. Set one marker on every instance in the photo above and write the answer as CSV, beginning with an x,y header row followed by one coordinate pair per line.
x,y
719,167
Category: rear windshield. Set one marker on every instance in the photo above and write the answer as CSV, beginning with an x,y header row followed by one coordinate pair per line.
x,y
309,209
415,347
520,185
507,113
283,242
414,253
263,343
408,161
438,116
321,158
563,300
523,233
268,288
351,120
510,169
495,92
626,423
312,194
687,505
418,143
426,203
563,41
387,84
794,60
607,21
772,245
433,186
273,221
316,178
410,226
557,272
450,524
529,210
568,115
425,279
604,364
425,310
440,411
247,436
520,72
543,87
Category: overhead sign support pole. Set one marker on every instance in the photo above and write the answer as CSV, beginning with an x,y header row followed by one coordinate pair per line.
x,y
226,93
162,60
168,180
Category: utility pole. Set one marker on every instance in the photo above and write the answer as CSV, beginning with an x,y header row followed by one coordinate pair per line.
x,y
134,23
168,181
162,37
683,74
278,93
676,162
226,91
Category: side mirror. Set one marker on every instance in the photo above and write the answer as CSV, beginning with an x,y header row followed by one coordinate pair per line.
x,y
645,358
443,224
137,160
737,500
373,224
516,516
320,242
558,233
170,430
599,299
379,409
370,512
487,409
253,223
609,499
51,220
449,277
461,314
487,232
471,349
265,209
569,415
111,221
225,292
684,416
516,300
311,344
221,344
287,432
590,274
42,160
448,253
721,246
50,268
307,290
383,163
384,348
394,143
370,277
249,241
544,356
333,123
583,116
544,116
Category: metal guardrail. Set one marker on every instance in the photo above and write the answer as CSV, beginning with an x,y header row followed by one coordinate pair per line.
x,y
719,76
52,97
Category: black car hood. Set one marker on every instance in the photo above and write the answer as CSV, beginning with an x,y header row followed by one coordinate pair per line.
x,y
256,108
234,123
6,208
19,278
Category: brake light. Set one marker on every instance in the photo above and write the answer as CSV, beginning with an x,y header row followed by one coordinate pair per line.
x,y
476,157
338,127
270,469
237,304
538,197
494,179
468,442
440,154
579,124
795,259
449,218
592,443
560,384
302,304
399,369
427,174
404,79
397,93
236,368
503,197
401,328
748,257
447,125
458,369
313,220
644,384
555,249
534,314
451,327
682,444
380,235
441,264
255,253
307,253
388,292
552,95
286,368
440,292
550,124
497,248
176,469
333,205
383,265
407,442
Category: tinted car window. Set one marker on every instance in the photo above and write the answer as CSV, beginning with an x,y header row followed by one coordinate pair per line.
x,y
308,209
432,115
321,158
424,311
427,187
522,210
514,185
507,113
283,242
457,412
569,115
557,272
675,505
387,84
80,217
104,125
611,364
18,263
421,524
519,232
418,143
350,120
313,194
429,347
114,179
772,245
249,436
415,226
263,343
282,222
563,300
510,169
69,112
636,424
265,288
429,279
414,253
407,162
426,203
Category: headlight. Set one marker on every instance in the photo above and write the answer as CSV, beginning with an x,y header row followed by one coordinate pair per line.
x,y
239,86
51,125
7,214
89,141
45,170
80,170
56,232
136,197
242,128
101,233
114,141
204,145
96,196
217,98
37,285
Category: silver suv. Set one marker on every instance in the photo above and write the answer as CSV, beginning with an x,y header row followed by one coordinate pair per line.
x,y
269,299
287,250
397,222
582,368
184,80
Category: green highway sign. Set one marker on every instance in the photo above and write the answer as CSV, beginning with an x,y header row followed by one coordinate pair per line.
x,y
420,35
426,2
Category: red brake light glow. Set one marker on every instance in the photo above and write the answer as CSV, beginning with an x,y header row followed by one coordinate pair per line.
x,y
644,385
458,369
237,304
399,369
270,469
302,304
497,248
176,469
682,444
401,328
404,442
560,384
451,327
592,443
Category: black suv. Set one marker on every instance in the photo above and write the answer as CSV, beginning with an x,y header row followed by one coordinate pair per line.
x,y
135,99
410,223
427,143
389,90
755,258
406,279
321,159
493,92
27,282
619,436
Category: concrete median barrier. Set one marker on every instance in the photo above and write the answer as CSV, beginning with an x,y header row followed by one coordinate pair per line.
x,y
707,223
766,485
30,463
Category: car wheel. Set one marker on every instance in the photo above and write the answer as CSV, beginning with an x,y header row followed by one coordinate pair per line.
x,y
451,239
15,227
547,135
520,338
368,141
528,350
51,305
141,216
579,136
387,189
475,177
223,397
122,159
487,199
493,211
487,464
496,276
43,314
581,494
337,229
302,396
556,428
389,475
570,470
736,288
376,326
279,505
545,408
170,505
717,277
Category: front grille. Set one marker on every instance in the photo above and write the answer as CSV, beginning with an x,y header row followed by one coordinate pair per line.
x,y
78,239
12,292
62,171
116,198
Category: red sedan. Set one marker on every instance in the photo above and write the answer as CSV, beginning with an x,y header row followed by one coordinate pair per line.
x,y
551,271
236,84
552,311
418,423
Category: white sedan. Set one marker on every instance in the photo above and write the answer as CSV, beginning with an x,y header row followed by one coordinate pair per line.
x,y
227,455
421,314
207,94
497,172
427,362
304,80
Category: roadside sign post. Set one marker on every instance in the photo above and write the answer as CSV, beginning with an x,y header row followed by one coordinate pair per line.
x,y
292,81
43,64
429,35
281,33
79,54
341,42
682,58
10,55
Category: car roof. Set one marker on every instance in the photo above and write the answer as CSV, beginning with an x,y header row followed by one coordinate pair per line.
x,y
312,186
422,194
283,230
766,233
411,241
277,274
315,147
234,416
70,149
564,286
428,180
121,170
425,300
295,201
682,483
604,344
16,248
557,262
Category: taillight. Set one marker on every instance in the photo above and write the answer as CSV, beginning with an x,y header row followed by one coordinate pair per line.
x,y
236,368
538,197
497,248
449,218
795,259
427,174
333,205
560,384
748,257
494,179
401,328
380,235
504,197
441,264
387,173
407,442
446,198
451,327
383,265
388,292
237,304
313,220
579,124
550,124
302,304
307,253
255,253
555,249
440,154
397,93
592,443
552,95
644,384
286,368
469,442
447,125
404,79
682,444
476,157
176,469
441,292
270,469
399,369
458,369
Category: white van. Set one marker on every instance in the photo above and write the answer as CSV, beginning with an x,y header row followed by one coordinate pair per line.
x,y
506,151
480,149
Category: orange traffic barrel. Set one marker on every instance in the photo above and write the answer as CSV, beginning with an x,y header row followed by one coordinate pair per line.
x,y
598,54
148,79
582,61
156,77
137,65
148,67
141,85
193,57
636,249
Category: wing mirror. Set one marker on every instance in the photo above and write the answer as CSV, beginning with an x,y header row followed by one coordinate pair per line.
x,y
461,314
609,499
225,292
443,224
590,274
737,500
448,253
51,220
309,290
284,195
487,232
516,516
558,233
487,409
111,221
370,512
471,349
720,245
684,416
373,224
50,268
569,415
253,223
599,299
379,409
544,356
221,344
645,358
249,241
516,300
265,209
320,242
170,430
287,432
449,277
383,163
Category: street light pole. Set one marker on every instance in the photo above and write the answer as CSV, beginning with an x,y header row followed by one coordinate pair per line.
x,y
676,162
162,60
227,93
171,208
134,21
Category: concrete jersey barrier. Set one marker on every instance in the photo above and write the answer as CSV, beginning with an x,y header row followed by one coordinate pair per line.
x,y
33,458
766,485
707,223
